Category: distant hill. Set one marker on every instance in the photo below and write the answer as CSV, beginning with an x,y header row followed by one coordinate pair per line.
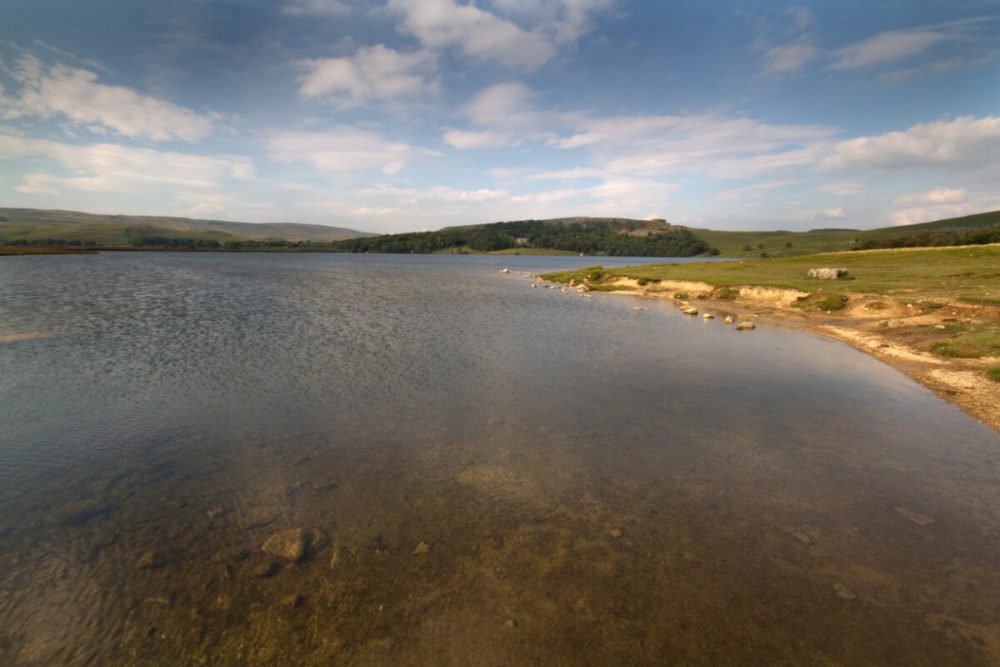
x,y
591,236
979,228
27,224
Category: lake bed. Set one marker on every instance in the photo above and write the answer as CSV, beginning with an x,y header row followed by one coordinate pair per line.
x,y
483,473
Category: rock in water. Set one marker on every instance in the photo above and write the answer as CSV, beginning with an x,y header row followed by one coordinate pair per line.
x,y
746,326
288,544
918,519
153,559
729,319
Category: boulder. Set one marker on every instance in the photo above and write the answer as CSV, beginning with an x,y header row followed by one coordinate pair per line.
x,y
746,326
827,273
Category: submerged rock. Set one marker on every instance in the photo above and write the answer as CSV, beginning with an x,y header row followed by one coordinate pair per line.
x,y
918,519
292,601
267,568
154,559
288,544
844,592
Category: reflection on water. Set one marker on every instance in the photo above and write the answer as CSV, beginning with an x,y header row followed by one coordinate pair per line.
x,y
449,468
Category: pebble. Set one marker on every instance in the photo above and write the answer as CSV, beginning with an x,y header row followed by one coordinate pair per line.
x,y
421,548
267,568
153,559
615,533
844,592
510,624
918,519
292,601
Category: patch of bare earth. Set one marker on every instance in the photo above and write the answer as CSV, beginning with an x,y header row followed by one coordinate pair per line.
x,y
897,333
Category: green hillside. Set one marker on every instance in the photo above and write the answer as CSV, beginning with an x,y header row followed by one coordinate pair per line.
x,y
24,224
591,236
783,243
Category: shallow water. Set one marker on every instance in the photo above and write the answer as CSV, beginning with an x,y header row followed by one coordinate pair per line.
x,y
499,475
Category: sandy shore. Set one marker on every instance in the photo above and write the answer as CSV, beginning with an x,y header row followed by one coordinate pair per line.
x,y
897,334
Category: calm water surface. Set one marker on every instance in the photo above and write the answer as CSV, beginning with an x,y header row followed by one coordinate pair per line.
x,y
484,473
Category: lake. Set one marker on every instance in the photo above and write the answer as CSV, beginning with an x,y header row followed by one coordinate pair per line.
x,y
482,473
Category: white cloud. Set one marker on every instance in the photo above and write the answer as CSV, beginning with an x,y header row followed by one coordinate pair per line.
x,y
937,196
316,8
344,149
38,183
440,24
843,188
835,213
372,73
468,140
116,168
752,191
788,58
75,94
888,47
963,142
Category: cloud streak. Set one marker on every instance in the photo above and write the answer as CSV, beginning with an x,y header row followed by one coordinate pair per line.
x,y
76,95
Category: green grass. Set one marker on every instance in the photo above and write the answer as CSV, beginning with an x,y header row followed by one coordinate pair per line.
x,y
932,274
994,373
790,244
825,301
979,342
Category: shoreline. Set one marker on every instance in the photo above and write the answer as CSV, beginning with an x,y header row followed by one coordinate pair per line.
x,y
959,381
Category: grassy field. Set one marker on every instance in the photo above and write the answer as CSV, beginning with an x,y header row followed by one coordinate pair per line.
x,y
925,278
783,244
969,272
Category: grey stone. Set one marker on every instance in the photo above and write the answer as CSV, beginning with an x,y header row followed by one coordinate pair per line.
x,y
827,273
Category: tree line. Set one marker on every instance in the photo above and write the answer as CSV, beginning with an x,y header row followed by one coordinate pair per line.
x,y
592,237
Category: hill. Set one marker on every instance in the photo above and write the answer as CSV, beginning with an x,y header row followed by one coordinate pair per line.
x,y
608,236
951,231
27,225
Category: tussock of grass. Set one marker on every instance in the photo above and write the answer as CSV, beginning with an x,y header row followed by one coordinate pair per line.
x,y
994,373
983,342
726,293
823,301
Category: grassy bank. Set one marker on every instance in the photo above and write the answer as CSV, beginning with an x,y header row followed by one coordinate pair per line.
x,y
42,250
939,303
968,273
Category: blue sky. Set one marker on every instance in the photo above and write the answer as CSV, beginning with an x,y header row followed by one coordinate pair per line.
x,y
403,115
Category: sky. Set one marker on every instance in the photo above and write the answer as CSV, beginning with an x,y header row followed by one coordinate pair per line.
x,y
404,115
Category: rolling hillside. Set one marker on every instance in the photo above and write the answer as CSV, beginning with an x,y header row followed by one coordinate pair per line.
x,y
782,243
111,230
